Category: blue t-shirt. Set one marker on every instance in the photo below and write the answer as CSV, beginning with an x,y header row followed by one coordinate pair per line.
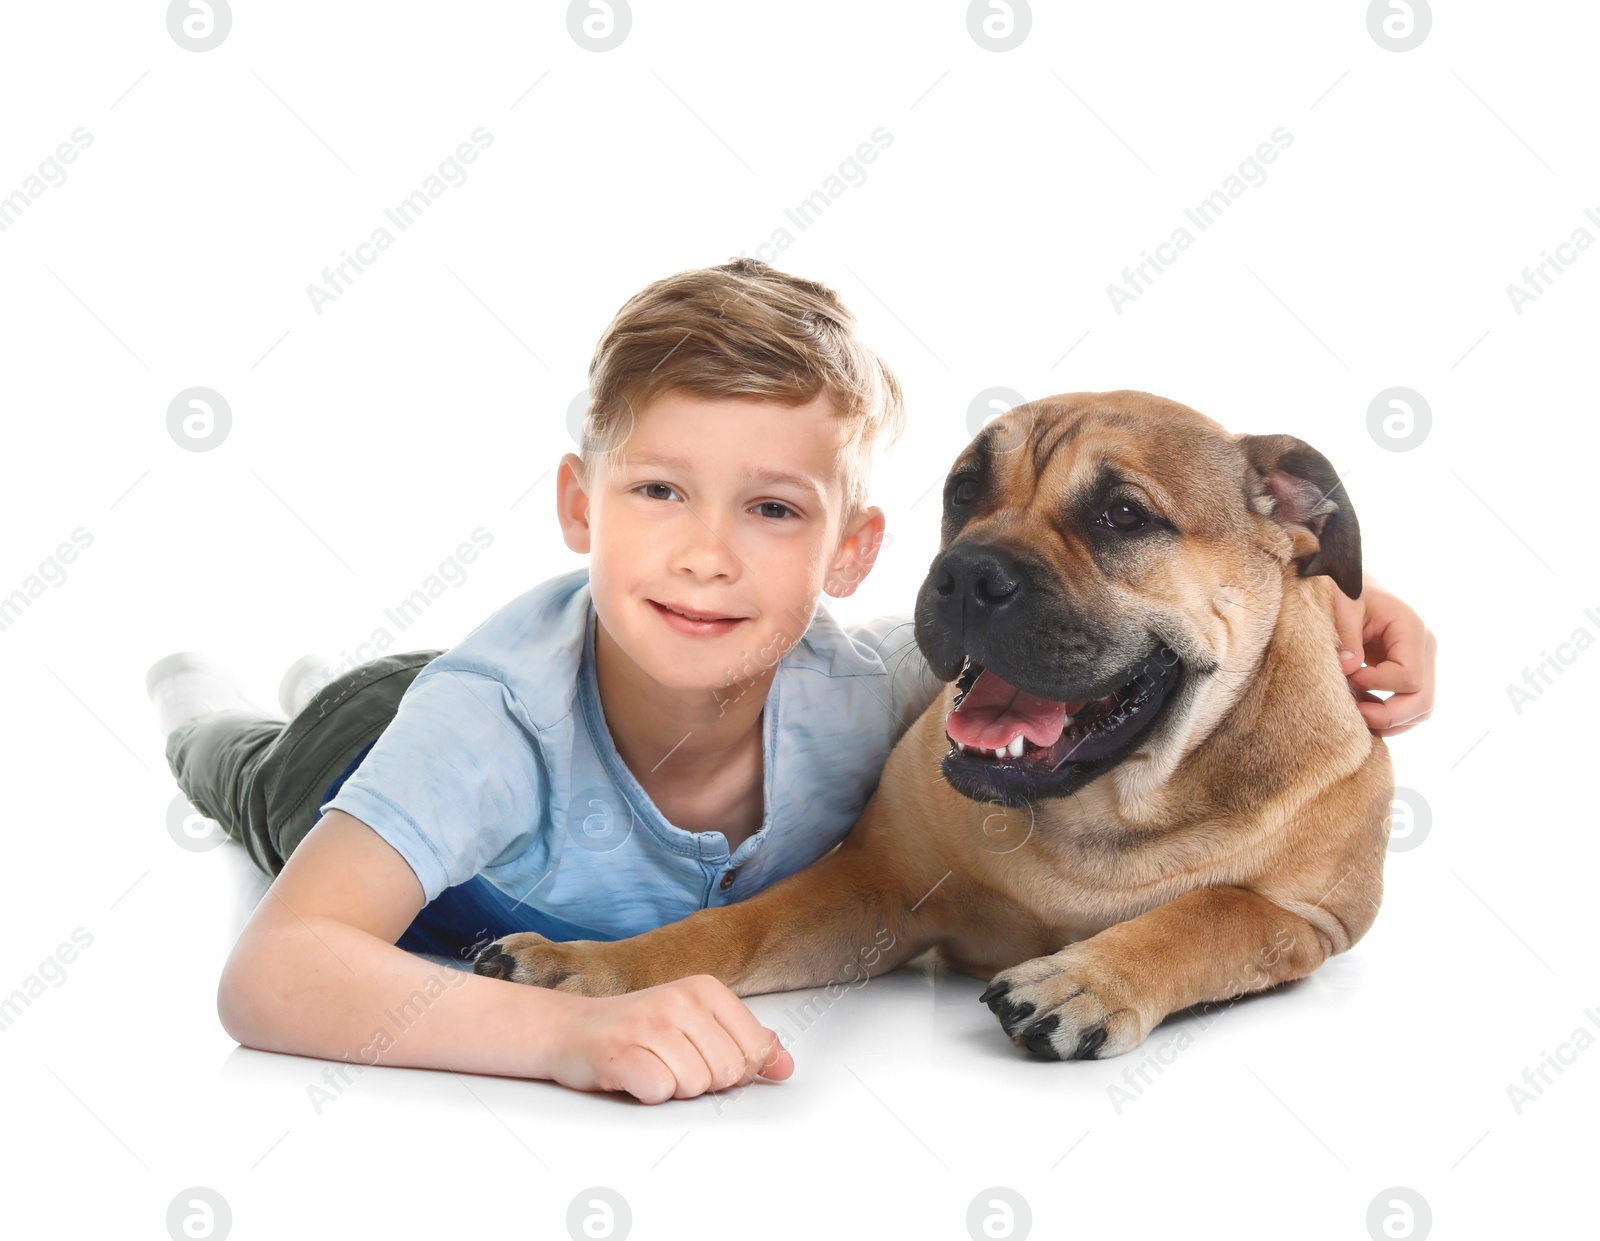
x,y
499,763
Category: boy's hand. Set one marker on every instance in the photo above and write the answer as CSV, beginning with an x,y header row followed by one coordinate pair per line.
x,y
674,1041
1399,651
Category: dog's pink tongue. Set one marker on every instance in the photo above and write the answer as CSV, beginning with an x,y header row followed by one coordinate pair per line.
x,y
994,711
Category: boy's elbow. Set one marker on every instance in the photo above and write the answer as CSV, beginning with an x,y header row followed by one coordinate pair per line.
x,y
239,998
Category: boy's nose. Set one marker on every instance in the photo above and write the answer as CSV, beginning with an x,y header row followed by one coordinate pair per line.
x,y
705,551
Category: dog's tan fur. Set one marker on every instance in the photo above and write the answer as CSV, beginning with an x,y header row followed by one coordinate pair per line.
x,y
1238,846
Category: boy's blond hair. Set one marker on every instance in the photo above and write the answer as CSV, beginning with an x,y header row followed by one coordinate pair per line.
x,y
743,329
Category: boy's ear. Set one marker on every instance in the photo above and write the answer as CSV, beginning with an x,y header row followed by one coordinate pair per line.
x,y
572,503
858,551
1298,488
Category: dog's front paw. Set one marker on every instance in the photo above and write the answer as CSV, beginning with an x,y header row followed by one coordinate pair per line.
x,y
1069,1006
575,966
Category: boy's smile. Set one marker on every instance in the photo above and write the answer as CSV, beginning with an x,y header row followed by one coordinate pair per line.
x,y
695,624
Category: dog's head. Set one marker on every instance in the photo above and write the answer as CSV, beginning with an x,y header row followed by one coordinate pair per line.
x,y
1110,570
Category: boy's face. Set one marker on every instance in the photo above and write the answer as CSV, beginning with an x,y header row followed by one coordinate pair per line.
x,y
714,530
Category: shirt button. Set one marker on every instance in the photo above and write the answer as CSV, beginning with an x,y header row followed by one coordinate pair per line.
x,y
727,880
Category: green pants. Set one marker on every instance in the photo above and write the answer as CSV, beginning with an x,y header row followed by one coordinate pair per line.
x,y
262,780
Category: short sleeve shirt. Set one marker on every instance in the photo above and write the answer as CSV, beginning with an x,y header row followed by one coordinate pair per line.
x,y
499,763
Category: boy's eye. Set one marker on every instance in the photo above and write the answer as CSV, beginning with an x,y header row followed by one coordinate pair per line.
x,y
771,508
657,491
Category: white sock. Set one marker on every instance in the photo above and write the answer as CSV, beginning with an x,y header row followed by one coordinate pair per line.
x,y
301,682
186,687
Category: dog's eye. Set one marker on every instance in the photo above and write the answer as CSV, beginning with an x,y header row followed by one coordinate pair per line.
x,y
1124,515
965,490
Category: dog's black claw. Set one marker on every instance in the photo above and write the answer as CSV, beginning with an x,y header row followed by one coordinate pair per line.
x,y
1011,1013
1042,1046
1089,1044
500,965
994,989
1037,1037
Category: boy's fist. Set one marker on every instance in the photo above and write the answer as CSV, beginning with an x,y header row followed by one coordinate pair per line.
x,y
672,1041
675,1041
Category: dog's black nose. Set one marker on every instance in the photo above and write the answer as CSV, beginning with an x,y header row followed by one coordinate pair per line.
x,y
986,577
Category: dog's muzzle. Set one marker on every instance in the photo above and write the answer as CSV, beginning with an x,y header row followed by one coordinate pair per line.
x,y
1044,704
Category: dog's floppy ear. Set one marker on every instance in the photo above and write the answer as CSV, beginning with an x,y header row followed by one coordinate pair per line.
x,y
1304,490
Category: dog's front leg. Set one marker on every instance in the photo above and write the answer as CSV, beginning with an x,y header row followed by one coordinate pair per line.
x,y
840,920
1102,996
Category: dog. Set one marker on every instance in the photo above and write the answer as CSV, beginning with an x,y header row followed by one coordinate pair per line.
x,y
1147,784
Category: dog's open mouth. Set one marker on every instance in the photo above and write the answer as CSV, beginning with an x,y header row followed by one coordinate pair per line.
x,y
1007,743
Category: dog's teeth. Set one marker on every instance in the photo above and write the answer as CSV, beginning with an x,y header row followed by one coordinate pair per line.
x,y
1067,725
1015,748
1001,752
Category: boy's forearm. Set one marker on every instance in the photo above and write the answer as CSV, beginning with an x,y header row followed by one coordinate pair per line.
x,y
322,988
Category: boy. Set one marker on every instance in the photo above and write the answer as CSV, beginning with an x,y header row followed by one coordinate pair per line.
x,y
678,725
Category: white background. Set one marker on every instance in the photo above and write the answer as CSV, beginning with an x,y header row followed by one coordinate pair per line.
x,y
430,399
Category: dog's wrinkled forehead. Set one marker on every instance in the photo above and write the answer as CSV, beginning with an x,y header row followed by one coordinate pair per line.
x,y
1063,450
